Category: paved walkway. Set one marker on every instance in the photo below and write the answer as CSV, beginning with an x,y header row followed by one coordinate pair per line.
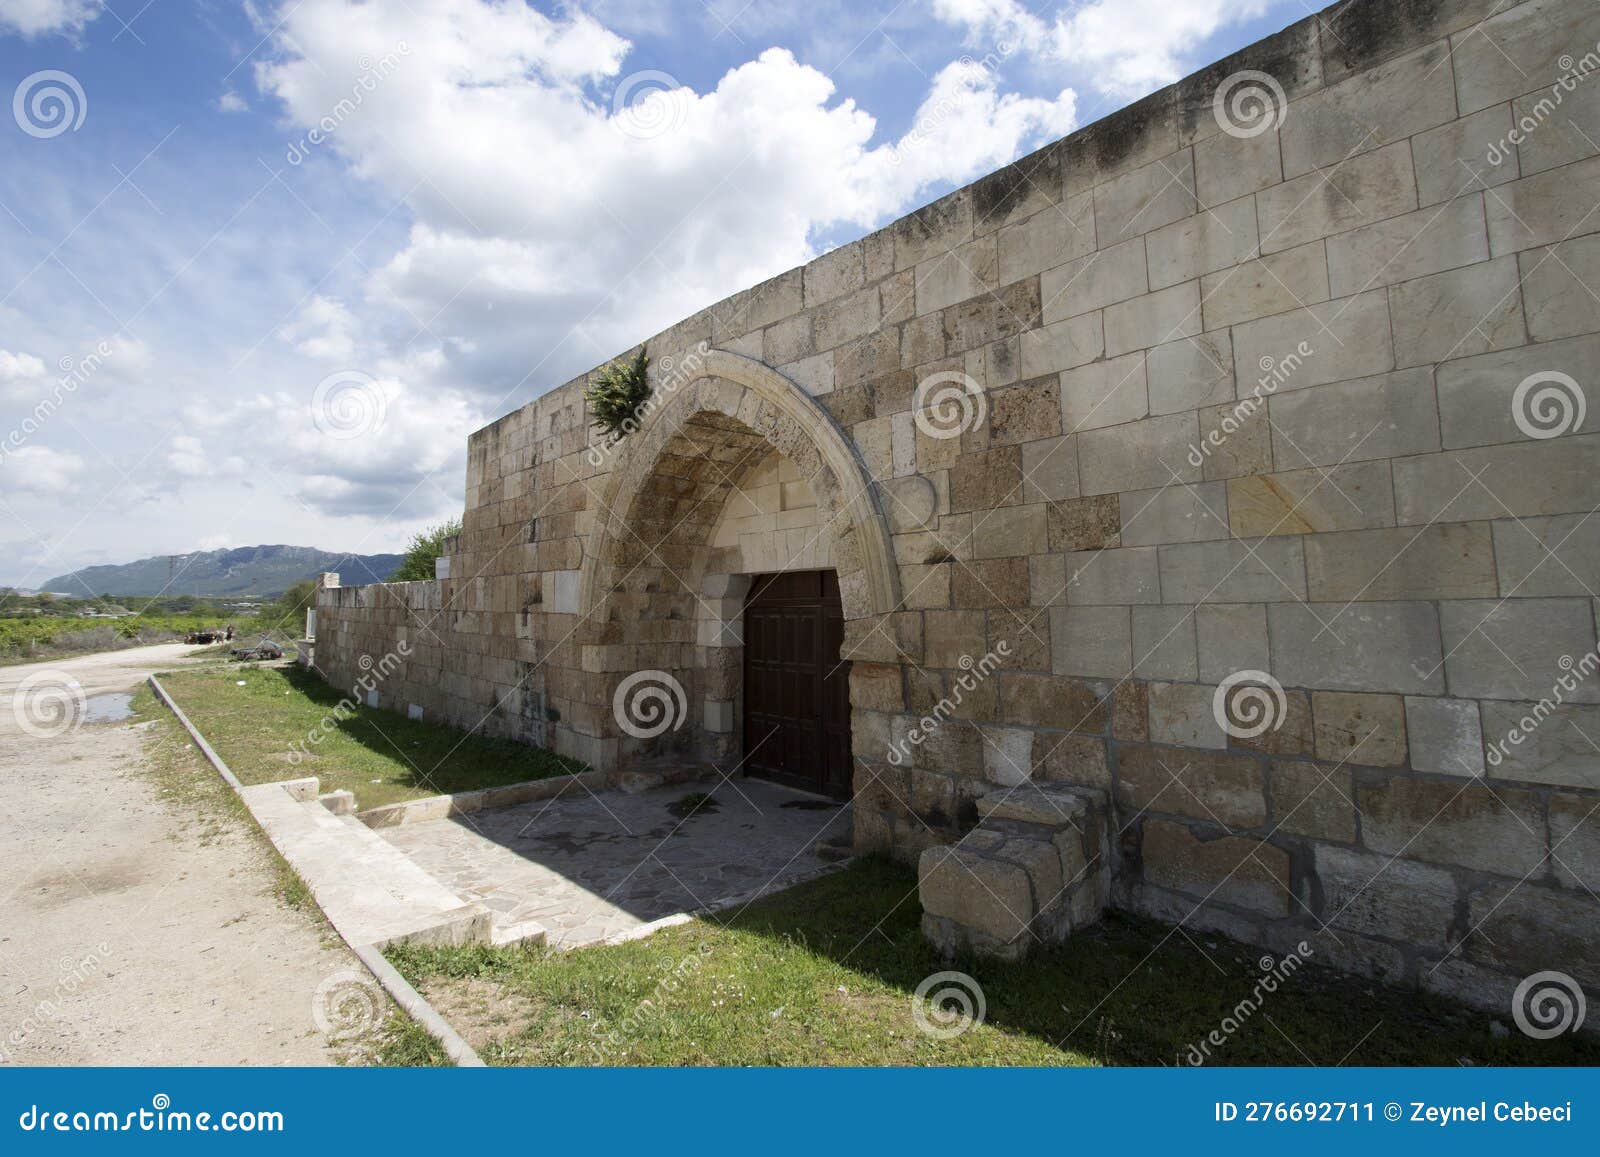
x,y
134,932
600,865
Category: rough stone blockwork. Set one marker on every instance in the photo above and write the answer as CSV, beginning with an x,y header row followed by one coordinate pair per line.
x,y
1242,473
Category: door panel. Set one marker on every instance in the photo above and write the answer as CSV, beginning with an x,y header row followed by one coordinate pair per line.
x,y
796,690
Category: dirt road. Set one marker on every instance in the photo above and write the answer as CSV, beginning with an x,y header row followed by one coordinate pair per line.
x,y
135,930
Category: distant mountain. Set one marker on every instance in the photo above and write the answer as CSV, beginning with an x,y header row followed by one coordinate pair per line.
x,y
245,570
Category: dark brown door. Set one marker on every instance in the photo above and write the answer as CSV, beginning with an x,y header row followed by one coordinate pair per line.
x,y
796,689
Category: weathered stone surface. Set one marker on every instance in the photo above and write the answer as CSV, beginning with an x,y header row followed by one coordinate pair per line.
x,y
1381,417
1444,735
977,890
1544,742
1490,829
1248,873
1514,649
1221,788
1455,561
1362,729
1181,713
1313,799
1358,647
1527,928
1347,497
1385,896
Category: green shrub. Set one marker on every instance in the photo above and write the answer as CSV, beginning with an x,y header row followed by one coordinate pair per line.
x,y
617,393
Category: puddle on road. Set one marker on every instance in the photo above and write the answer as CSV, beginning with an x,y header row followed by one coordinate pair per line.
x,y
111,707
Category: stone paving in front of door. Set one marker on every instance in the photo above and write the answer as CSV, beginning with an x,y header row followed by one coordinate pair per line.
x,y
599,865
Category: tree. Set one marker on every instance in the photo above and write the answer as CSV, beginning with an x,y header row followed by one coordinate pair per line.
x,y
288,614
425,547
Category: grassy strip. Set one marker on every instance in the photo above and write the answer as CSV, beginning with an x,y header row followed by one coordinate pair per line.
x,y
273,723
823,975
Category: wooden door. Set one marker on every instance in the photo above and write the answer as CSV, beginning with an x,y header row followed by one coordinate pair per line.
x,y
796,689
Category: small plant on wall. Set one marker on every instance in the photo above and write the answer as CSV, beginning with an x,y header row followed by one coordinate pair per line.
x,y
617,395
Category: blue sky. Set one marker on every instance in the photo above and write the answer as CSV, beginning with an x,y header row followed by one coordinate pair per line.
x,y
220,327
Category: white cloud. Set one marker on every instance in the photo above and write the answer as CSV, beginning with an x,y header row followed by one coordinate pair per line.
x,y
31,18
548,231
1128,47
323,329
232,102
19,372
40,470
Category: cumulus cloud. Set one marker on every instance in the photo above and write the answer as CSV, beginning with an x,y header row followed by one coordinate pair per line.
x,y
31,18
323,329
1129,47
19,372
232,102
562,210
40,470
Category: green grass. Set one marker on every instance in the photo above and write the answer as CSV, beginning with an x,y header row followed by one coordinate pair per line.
x,y
33,639
823,974
284,723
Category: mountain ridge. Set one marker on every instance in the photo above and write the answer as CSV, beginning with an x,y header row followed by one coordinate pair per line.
x,y
266,570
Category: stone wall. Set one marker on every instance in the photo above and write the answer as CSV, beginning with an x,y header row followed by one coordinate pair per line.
x,y
1181,420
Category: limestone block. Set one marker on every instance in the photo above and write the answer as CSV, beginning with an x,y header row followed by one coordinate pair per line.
x,y
1164,643
1229,167
1387,416
1313,799
1010,531
1138,455
1182,713
1236,870
1430,240
1062,345
1375,107
1104,393
1556,288
1020,414
1544,209
1153,319
1092,523
1049,238
1214,786
1190,372
1359,191
1347,338
1229,638
1211,239
1047,580
1525,929
1445,735
1465,156
1496,830
1106,577
1266,285
1543,742
1097,279
996,582
1091,641
1516,50
1513,649
1233,571
1574,841
1555,476
1379,896
1362,729
788,340
1361,647
1561,133
1548,556
978,891
1457,313
1007,754
933,230
1172,514
1050,469
834,274
1351,497
1051,701
1452,561
951,277
1145,199
1236,439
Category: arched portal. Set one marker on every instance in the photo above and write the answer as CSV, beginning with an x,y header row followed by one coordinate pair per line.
x,y
665,578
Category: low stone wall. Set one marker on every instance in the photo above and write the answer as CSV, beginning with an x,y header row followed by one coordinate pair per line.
x,y
1242,473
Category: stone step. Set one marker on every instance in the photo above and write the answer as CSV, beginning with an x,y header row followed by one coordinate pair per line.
x,y
371,891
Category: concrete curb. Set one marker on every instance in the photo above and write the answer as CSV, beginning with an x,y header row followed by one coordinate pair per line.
x,y
399,990
438,807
